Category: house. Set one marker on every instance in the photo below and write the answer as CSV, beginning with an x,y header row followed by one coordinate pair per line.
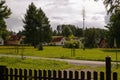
x,y
1,41
58,40
14,40
102,43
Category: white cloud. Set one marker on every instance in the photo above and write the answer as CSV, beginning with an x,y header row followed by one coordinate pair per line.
x,y
59,12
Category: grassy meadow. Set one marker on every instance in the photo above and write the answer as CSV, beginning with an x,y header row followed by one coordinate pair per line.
x,y
59,52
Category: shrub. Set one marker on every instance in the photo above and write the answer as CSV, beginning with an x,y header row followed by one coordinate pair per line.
x,y
69,44
40,46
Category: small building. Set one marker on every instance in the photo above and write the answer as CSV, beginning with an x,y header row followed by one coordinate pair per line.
x,y
14,40
1,41
102,43
58,40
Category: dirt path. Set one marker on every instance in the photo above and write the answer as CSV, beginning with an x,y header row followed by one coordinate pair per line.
x,y
74,62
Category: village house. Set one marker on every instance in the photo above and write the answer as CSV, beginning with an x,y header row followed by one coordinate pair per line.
x,y
102,43
58,40
14,40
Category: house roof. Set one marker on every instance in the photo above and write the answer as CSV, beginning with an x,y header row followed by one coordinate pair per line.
x,y
15,37
14,40
57,38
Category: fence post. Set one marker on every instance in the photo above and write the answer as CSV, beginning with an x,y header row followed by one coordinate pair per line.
x,y
95,75
44,74
76,75
25,74
70,75
40,75
16,73
54,75
82,75
49,75
65,75
115,75
102,76
20,74
108,68
59,75
2,72
88,75
35,74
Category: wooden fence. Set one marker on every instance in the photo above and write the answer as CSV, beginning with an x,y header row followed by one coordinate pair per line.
x,y
24,74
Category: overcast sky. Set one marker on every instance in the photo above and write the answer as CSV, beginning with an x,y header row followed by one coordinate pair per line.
x,y
59,12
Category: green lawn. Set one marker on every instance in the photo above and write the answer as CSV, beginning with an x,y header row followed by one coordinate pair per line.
x,y
33,64
59,52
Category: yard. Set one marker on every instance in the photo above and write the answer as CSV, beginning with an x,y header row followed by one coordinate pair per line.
x,y
59,52
56,52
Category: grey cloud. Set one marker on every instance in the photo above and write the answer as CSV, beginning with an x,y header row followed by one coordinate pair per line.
x,y
56,3
61,2
95,24
14,23
57,18
58,12
89,24
100,13
95,17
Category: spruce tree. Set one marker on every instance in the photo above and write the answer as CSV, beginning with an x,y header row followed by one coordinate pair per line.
x,y
30,25
4,14
37,28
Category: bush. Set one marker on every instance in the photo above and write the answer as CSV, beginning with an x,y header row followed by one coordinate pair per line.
x,y
40,46
52,44
68,44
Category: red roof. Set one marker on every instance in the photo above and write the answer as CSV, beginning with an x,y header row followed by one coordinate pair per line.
x,y
15,37
57,39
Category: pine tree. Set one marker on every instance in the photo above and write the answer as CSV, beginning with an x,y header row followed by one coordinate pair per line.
x,y
30,25
37,28
66,31
43,25
4,14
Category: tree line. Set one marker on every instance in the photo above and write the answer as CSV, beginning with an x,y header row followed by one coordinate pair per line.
x,y
92,35
67,30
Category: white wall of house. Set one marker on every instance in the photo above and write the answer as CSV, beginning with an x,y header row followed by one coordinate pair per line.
x,y
1,41
62,42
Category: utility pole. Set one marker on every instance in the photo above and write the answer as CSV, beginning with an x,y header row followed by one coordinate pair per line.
x,y
83,14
